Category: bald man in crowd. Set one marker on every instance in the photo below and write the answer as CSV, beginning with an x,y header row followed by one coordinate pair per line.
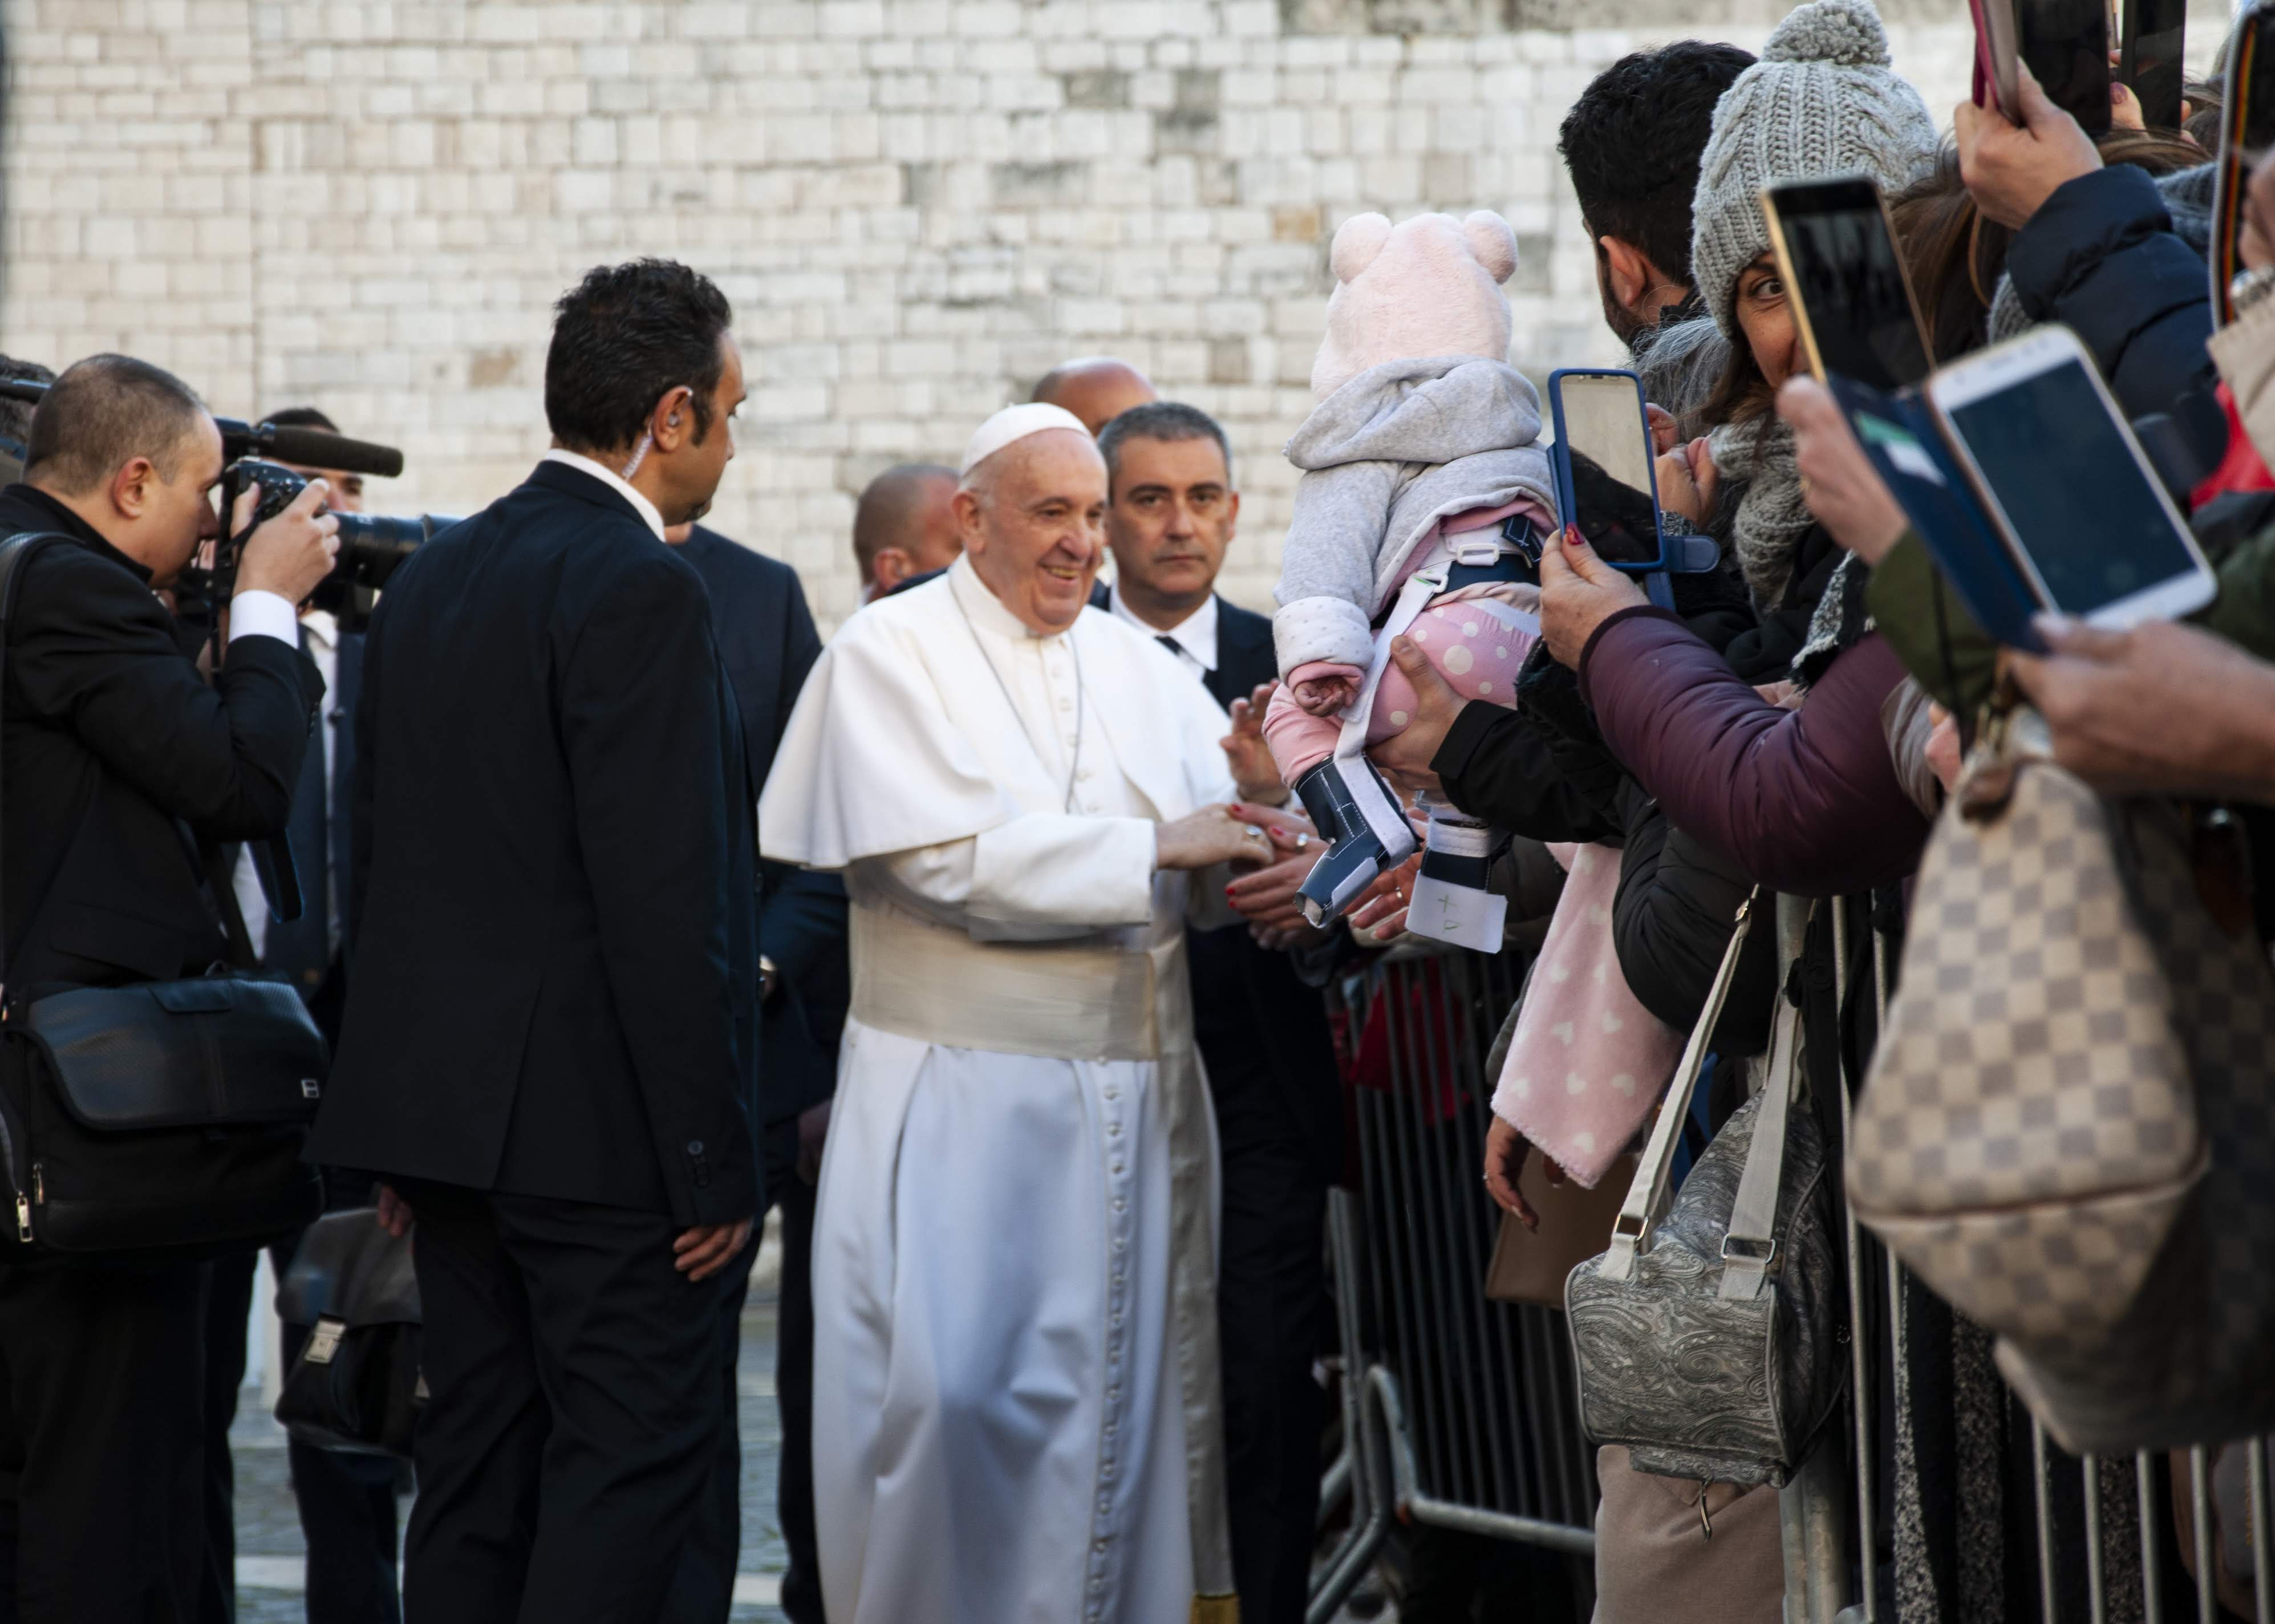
x,y
1097,388
904,526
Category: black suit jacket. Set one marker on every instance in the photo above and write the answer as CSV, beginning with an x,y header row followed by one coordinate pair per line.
x,y
1258,1027
767,641
554,972
121,760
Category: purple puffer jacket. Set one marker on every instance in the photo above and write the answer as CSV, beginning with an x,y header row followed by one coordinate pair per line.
x,y
1806,802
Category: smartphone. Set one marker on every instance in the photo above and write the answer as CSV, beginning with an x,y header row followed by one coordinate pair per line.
x,y
1604,466
1906,447
1851,300
2066,44
2055,463
2153,34
2246,132
1994,57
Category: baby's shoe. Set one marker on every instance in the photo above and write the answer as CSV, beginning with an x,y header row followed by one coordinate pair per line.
x,y
1365,832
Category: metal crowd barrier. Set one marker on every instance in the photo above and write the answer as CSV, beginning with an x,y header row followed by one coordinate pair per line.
x,y
1459,1413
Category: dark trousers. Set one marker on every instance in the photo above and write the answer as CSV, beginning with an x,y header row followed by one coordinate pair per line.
x,y
102,1446
1271,1322
703,1590
346,1502
575,1412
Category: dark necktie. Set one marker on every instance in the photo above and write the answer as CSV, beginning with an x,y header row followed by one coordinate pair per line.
x,y
1169,643
301,948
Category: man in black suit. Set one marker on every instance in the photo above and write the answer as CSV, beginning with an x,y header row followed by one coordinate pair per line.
x,y
1171,509
550,1050
768,643
346,1502
124,773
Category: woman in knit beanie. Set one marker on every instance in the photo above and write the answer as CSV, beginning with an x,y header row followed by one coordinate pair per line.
x,y
1823,101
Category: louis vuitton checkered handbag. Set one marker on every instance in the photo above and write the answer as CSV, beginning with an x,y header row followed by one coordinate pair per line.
x,y
2028,1134
2069,1129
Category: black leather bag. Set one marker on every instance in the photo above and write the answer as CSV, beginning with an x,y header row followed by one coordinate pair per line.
x,y
355,1386
164,1118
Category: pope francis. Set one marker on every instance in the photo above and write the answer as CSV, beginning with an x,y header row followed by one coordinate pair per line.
x,y
1016,1407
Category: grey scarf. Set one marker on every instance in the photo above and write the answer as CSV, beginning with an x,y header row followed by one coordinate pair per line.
x,y
1771,518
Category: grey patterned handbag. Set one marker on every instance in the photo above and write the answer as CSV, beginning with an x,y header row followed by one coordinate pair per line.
x,y
1706,1340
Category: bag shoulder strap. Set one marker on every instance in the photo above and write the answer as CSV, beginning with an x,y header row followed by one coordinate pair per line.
x,y
1750,1243
16,554
1631,1234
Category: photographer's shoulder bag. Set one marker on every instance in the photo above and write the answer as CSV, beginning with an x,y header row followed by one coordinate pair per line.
x,y
356,1386
160,1121
1707,1340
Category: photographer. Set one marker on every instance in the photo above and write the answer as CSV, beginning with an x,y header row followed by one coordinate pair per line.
x,y
112,745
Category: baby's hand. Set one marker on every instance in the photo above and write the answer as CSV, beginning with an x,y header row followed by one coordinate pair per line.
x,y
1326,695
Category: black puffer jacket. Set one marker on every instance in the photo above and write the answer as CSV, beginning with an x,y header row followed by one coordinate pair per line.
x,y
2105,257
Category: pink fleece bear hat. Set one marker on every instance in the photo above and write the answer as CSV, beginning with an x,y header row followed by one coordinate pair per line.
x,y
1430,285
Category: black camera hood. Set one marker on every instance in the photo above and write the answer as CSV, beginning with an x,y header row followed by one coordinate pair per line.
x,y
311,447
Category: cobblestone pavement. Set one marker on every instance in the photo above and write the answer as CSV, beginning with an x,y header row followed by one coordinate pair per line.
x,y
269,1547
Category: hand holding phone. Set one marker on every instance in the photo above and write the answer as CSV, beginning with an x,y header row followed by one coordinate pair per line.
x,y
2011,170
1688,481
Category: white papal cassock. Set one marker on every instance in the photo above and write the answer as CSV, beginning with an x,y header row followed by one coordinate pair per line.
x,y
1016,1412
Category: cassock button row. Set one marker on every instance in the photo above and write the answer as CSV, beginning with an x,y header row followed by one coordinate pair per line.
x,y
1114,1130
1119,1205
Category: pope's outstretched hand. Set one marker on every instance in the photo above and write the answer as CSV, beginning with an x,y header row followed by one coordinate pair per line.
x,y
1213,835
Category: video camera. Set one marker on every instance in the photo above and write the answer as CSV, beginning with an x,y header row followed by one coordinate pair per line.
x,y
371,547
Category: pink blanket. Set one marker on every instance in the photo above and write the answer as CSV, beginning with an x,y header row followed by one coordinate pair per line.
x,y
1587,1061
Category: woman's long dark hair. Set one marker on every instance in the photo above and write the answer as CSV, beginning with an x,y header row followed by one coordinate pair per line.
x,y
1955,256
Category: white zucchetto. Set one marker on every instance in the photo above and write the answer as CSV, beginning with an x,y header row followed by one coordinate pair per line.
x,y
1011,423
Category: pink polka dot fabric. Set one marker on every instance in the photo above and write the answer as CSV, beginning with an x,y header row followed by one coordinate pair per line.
x,y
1476,638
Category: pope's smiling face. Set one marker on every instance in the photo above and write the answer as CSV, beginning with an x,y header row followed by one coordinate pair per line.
x,y
1033,522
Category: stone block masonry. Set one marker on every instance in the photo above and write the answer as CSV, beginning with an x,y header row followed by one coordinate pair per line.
x,y
917,206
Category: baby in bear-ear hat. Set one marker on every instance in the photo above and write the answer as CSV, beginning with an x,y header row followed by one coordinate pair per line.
x,y
1421,509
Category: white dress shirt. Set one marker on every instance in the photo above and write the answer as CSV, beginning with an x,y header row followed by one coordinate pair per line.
x,y
616,481
1195,636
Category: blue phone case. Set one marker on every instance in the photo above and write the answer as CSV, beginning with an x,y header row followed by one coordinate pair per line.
x,y
1561,458
1906,448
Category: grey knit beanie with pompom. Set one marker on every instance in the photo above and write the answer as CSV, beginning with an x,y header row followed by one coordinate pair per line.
x,y
1822,101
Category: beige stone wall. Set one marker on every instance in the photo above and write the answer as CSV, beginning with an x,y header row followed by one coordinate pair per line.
x,y
917,206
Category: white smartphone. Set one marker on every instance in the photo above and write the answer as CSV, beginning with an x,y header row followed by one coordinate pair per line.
x,y
2057,466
